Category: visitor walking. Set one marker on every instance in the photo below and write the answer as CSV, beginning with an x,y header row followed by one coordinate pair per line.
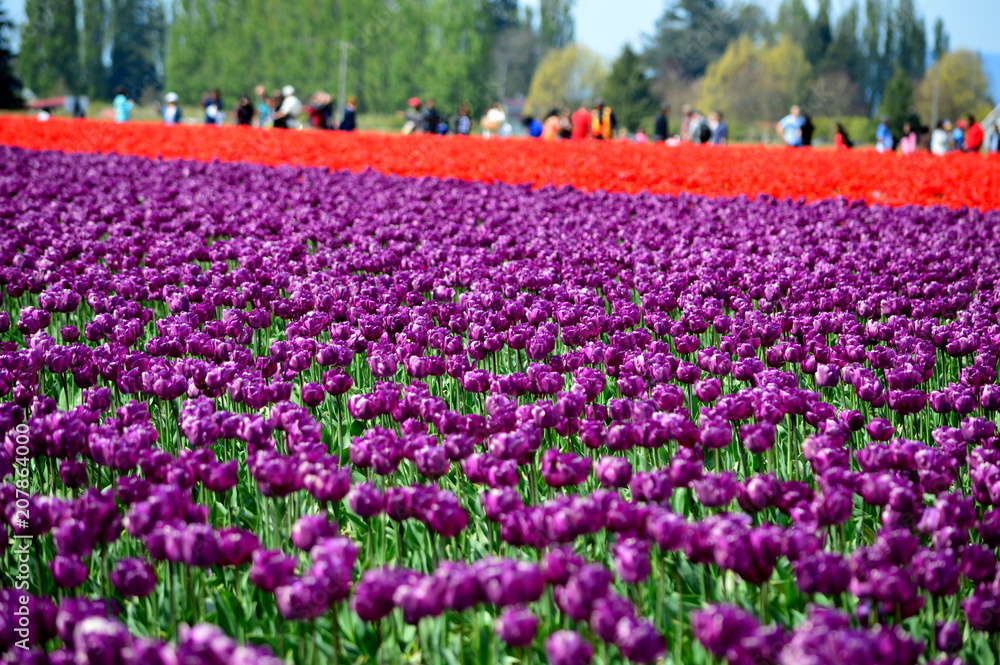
x,y
350,120
287,112
214,108
244,112
720,130
840,138
940,138
604,121
661,130
883,136
973,135
122,104
581,122
790,127
171,109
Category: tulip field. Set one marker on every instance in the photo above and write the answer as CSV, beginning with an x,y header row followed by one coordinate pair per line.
x,y
279,408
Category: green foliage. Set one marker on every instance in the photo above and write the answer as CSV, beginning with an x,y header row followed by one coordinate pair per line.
x,y
962,87
692,34
557,28
627,90
137,45
753,82
10,84
566,78
49,58
819,36
397,49
942,40
897,102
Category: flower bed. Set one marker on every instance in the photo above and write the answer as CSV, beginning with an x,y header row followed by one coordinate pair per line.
x,y
923,179
253,413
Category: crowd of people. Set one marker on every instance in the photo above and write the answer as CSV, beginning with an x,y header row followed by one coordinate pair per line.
x,y
597,122
282,109
966,135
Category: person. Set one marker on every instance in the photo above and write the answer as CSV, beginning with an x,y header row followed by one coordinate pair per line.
x,y
430,118
640,136
533,125
214,113
320,110
581,122
790,127
720,130
908,143
565,125
413,116
287,114
808,128
275,103
698,128
350,120
973,135
171,109
883,136
122,104
995,139
244,112
958,135
940,138
493,121
264,111
550,128
463,121
840,138
661,130
604,121
686,114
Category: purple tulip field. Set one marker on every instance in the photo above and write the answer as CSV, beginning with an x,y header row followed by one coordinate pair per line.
x,y
265,415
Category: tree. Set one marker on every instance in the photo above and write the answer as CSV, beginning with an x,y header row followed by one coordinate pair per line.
x,y
962,87
10,84
820,35
49,57
566,78
137,45
794,21
897,101
753,82
93,42
691,34
557,26
911,53
844,52
627,91
942,41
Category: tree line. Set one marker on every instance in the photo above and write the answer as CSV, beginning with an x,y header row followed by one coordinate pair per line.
x,y
872,57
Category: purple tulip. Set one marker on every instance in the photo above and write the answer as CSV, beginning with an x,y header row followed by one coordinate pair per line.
x,y
517,627
566,647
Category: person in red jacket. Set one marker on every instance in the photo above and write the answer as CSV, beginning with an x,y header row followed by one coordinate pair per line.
x,y
973,136
581,123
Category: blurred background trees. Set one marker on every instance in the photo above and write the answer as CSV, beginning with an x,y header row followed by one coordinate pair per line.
x,y
868,57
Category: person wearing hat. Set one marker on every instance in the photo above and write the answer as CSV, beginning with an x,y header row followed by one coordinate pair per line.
x,y
414,117
171,109
286,117
883,136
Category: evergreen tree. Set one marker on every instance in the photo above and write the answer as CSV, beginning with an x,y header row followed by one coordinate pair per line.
x,y
794,21
897,100
49,58
820,35
137,45
626,90
10,84
557,27
92,46
942,41
912,46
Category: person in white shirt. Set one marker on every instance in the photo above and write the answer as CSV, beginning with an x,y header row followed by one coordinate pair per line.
x,y
288,113
940,138
171,109
494,120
